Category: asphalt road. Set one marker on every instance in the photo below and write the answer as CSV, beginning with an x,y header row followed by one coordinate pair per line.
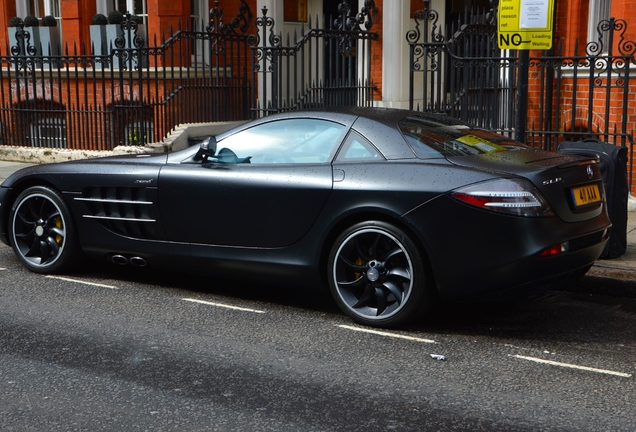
x,y
109,348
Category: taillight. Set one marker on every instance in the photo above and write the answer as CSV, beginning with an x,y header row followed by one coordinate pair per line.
x,y
555,250
513,196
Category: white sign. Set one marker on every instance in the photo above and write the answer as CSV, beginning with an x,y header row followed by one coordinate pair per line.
x,y
534,14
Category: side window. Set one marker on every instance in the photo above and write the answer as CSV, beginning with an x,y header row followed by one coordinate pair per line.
x,y
294,141
357,149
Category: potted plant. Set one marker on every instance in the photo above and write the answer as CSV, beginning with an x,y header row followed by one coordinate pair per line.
x,y
45,38
133,39
31,21
141,57
15,24
49,35
104,31
32,26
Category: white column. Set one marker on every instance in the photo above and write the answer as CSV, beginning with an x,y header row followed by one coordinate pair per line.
x,y
274,10
395,54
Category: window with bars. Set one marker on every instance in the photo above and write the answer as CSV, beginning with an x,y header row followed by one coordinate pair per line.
x,y
48,132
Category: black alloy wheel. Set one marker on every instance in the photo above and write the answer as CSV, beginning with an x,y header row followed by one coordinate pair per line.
x,y
41,231
377,275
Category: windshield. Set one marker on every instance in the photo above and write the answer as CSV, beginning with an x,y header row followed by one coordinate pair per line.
x,y
431,139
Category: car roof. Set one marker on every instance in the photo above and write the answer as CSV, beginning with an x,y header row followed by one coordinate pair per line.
x,y
379,125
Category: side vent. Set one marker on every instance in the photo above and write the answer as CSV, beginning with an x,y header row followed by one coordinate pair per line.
x,y
123,210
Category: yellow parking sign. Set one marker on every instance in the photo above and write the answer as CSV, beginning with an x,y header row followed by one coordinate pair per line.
x,y
525,24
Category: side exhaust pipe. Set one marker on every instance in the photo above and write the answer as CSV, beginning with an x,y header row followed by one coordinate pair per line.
x,y
119,259
138,261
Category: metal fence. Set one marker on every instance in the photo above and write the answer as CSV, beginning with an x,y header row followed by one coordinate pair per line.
x,y
129,95
323,66
458,70
132,91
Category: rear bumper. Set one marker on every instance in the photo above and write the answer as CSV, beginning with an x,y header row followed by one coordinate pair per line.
x,y
478,253
530,275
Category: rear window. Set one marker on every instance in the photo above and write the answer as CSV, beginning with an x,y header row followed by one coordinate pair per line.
x,y
431,139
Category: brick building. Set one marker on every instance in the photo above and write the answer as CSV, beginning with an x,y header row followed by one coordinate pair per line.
x,y
574,19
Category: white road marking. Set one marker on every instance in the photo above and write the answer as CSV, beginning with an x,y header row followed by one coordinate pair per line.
x,y
223,305
2,268
572,366
388,334
82,282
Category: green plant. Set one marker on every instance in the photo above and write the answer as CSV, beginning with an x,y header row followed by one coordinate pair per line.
x,y
137,19
31,21
99,19
135,137
49,21
115,17
16,22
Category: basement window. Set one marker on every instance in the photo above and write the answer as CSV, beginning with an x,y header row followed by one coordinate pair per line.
x,y
48,132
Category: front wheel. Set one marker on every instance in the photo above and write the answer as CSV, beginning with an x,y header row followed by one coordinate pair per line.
x,y
41,231
377,275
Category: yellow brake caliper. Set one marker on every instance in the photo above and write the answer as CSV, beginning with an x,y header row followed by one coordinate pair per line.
x,y
58,224
360,263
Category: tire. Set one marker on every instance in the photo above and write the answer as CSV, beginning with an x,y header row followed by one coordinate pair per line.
x,y
41,231
378,276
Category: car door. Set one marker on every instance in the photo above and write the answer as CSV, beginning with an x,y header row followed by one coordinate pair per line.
x,y
266,193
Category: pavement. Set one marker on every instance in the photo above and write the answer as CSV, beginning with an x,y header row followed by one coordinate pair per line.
x,y
615,276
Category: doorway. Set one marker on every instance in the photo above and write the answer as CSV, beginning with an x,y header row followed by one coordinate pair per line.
x,y
340,54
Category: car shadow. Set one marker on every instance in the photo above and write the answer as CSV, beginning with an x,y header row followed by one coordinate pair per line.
x,y
195,283
553,316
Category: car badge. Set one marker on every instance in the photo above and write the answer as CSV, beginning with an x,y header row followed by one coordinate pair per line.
x,y
590,172
552,181
373,274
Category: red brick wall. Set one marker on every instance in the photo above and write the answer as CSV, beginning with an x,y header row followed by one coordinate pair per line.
x,y
571,23
164,16
96,111
626,9
76,19
376,51
6,13
87,108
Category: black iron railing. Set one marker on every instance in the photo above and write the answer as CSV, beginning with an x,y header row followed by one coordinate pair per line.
x,y
459,70
133,91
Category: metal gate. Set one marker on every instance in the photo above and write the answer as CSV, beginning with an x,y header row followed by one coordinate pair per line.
x,y
461,72
328,65
458,70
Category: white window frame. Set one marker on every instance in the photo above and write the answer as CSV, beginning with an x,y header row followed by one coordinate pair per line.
x,y
51,7
599,10
199,15
105,6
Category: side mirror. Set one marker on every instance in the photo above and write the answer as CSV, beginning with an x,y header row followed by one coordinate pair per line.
x,y
207,149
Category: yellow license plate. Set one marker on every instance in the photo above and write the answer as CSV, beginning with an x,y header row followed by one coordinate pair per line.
x,y
584,195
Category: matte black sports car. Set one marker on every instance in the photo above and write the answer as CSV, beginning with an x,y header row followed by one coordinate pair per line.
x,y
390,209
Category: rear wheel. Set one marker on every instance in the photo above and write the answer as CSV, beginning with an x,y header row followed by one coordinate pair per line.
x,y
377,275
41,231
